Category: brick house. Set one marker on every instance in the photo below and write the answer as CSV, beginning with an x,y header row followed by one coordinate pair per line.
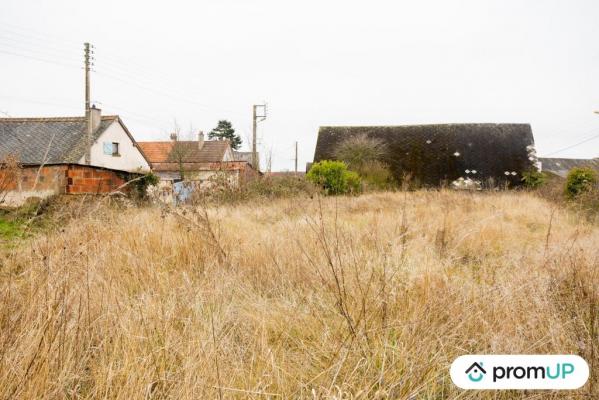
x,y
51,154
184,166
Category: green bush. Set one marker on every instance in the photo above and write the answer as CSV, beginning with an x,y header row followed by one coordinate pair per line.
x,y
580,180
376,175
354,182
334,177
141,185
534,179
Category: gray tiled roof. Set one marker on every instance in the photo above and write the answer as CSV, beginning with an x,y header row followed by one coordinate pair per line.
x,y
437,153
38,141
561,166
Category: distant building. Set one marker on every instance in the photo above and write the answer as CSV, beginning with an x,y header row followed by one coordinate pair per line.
x,y
51,154
184,166
561,166
441,154
243,156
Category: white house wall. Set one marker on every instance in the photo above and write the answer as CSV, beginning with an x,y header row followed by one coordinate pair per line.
x,y
229,156
129,159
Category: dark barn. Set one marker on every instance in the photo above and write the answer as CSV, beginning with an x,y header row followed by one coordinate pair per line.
x,y
437,154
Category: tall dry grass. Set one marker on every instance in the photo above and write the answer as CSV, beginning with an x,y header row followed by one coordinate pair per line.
x,y
360,297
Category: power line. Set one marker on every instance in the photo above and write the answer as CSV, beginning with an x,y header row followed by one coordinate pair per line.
x,y
126,80
34,52
28,45
36,34
54,104
8,35
574,145
161,92
38,59
117,69
140,116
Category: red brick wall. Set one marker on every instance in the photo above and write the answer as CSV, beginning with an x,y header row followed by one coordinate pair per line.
x,y
50,177
90,180
61,179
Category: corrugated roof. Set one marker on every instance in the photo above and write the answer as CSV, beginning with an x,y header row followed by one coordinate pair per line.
x,y
47,140
185,151
561,166
436,153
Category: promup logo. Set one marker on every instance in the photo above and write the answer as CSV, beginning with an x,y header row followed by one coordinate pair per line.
x,y
519,372
476,372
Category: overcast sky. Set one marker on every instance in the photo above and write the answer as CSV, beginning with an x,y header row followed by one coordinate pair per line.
x,y
315,62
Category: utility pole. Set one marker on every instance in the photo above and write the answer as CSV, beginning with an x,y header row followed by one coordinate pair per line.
x,y
255,120
296,157
88,114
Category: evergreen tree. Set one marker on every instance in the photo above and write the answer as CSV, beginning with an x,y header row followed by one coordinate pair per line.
x,y
224,130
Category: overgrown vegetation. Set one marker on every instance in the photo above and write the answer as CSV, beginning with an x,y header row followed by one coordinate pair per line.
x,y
580,181
221,191
366,156
9,172
534,179
10,229
561,191
366,297
142,185
334,177
356,151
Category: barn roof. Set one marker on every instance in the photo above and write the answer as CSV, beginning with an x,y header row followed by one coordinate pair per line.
x,y
38,141
561,166
434,153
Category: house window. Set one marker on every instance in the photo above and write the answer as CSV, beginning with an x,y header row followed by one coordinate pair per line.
x,y
111,149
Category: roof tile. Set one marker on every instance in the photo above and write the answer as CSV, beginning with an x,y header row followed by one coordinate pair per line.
x,y
47,140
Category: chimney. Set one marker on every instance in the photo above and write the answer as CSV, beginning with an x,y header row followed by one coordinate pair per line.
x,y
200,140
96,117
174,137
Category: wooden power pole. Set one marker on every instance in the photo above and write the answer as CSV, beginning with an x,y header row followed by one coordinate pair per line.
x,y
255,120
88,114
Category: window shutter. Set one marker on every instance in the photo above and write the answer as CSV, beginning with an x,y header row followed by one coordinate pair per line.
x,y
107,148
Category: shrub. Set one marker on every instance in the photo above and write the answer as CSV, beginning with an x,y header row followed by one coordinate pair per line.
x,y
141,185
260,188
357,151
534,179
354,182
377,175
580,180
334,177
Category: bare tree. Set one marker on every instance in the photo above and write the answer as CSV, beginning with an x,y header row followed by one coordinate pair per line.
x,y
180,150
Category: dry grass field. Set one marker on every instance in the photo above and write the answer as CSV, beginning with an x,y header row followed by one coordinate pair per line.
x,y
368,297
